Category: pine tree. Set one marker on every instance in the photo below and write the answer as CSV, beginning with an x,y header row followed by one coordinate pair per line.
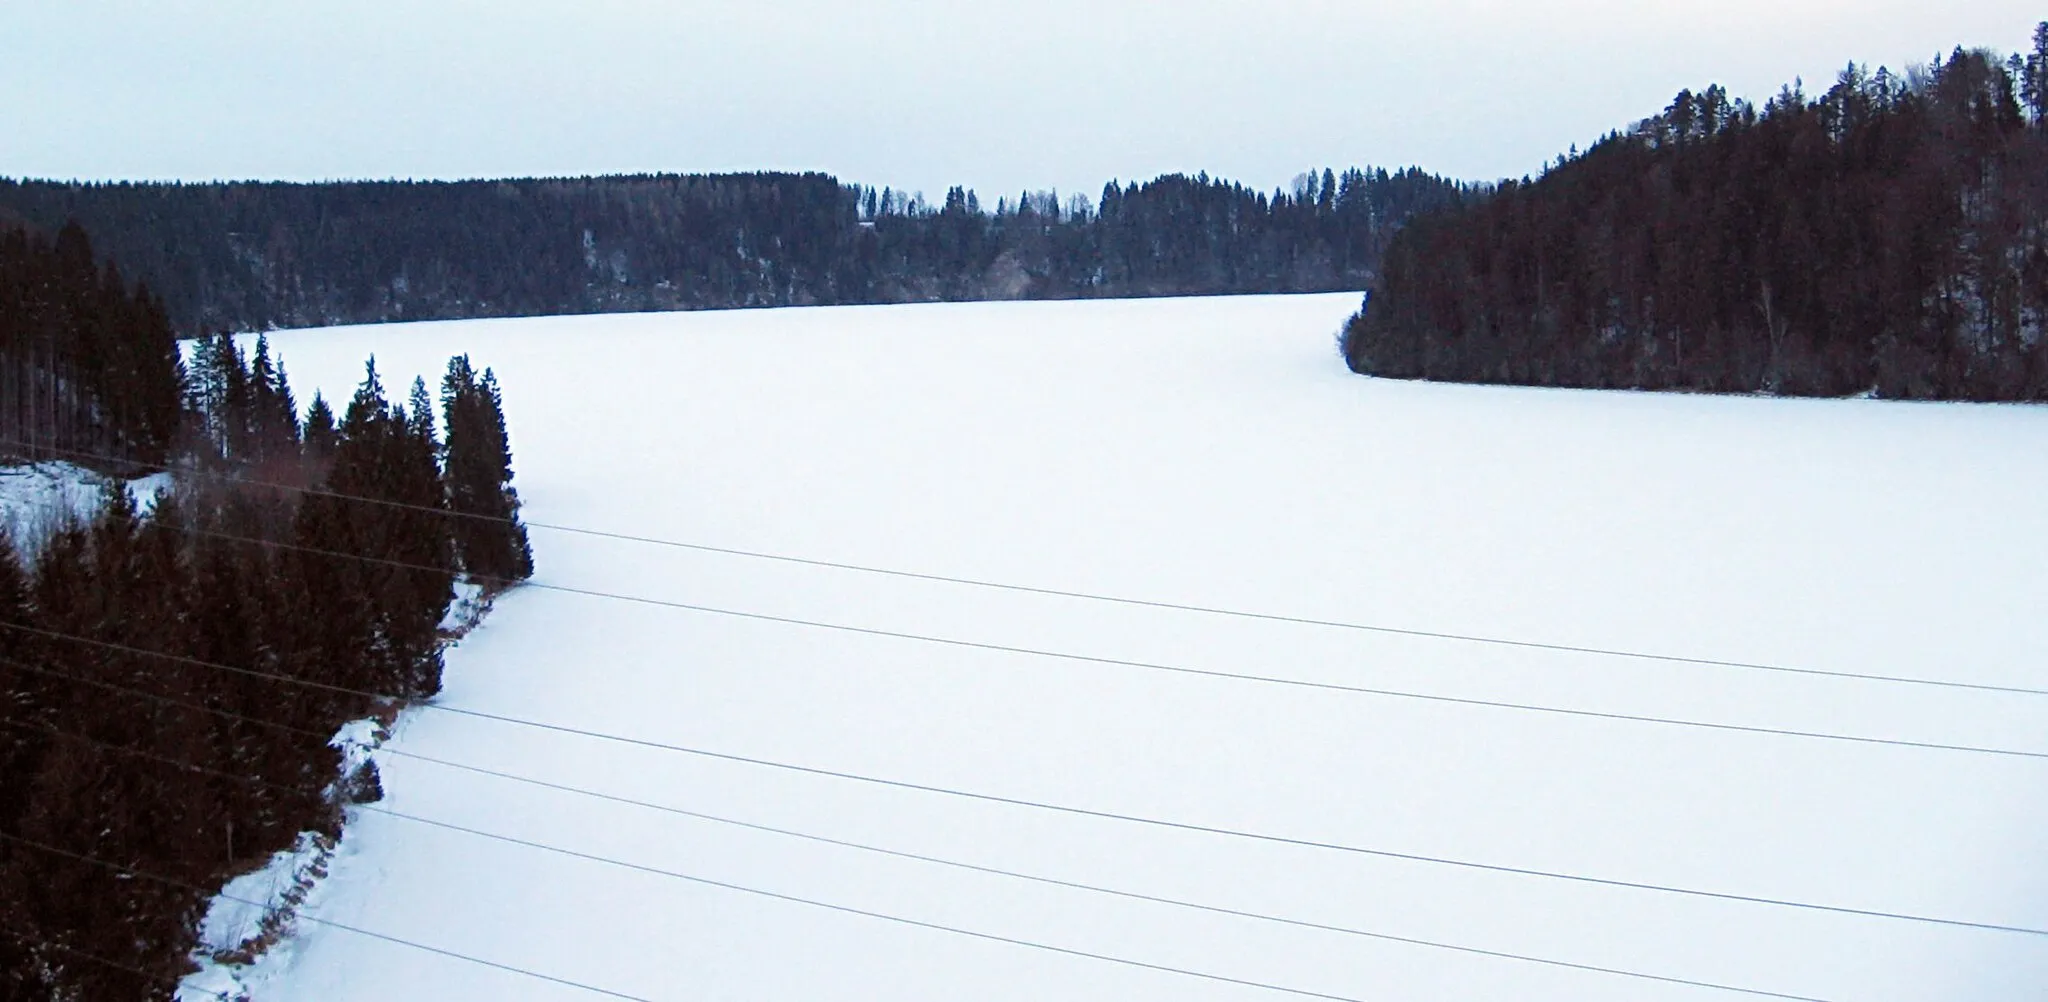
x,y
2034,86
419,410
388,455
321,435
272,419
20,703
490,541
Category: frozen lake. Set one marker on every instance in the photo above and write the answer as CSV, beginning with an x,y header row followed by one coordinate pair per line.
x,y
1211,452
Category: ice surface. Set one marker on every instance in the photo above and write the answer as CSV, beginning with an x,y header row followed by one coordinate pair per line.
x,y
1216,452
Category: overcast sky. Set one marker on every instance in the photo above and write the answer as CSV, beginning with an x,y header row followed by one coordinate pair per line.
x,y
1000,97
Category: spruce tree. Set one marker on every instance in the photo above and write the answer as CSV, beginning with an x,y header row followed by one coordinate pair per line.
x,y
273,426
387,455
2034,85
490,541
20,701
321,435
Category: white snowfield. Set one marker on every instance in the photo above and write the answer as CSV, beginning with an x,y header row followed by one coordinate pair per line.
x,y
1209,452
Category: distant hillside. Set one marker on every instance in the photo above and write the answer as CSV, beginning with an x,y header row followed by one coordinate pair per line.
x,y
1890,235
258,255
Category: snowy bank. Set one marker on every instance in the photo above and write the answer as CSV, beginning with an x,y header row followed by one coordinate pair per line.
x,y
37,499
247,935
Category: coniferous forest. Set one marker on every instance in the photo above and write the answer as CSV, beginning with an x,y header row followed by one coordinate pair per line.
x,y
174,668
1887,236
251,256
86,361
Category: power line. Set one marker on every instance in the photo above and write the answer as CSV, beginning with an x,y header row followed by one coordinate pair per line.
x,y
1135,602
1133,818
706,881
1108,891
1142,665
1004,939
956,864
357,930
1125,600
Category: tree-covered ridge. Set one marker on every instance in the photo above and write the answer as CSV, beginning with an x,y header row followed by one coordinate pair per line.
x,y
250,256
1889,235
148,658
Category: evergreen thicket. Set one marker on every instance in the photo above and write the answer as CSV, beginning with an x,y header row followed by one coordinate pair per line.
x,y
1887,236
252,256
489,541
320,550
86,361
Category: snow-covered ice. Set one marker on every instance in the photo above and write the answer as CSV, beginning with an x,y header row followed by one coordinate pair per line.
x,y
1213,452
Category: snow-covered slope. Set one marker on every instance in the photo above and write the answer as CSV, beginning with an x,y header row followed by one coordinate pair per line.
x,y
1212,452
36,499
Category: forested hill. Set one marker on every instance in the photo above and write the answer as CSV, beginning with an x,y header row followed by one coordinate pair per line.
x,y
178,670
1889,235
257,255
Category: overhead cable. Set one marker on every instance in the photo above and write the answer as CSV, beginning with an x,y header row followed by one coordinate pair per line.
x,y
1175,825
919,857
1470,638
1130,663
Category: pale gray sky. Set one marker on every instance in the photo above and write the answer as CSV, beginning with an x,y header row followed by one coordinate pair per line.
x,y
918,95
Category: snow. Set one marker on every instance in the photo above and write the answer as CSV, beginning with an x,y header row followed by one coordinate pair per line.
x,y
356,740
1212,452
466,609
246,935
247,901
38,498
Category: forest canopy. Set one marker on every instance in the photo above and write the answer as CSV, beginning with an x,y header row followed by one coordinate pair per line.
x,y
254,256
1888,235
174,669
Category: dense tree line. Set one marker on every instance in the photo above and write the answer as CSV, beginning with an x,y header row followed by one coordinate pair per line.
x,y
113,747
251,256
1887,236
86,361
